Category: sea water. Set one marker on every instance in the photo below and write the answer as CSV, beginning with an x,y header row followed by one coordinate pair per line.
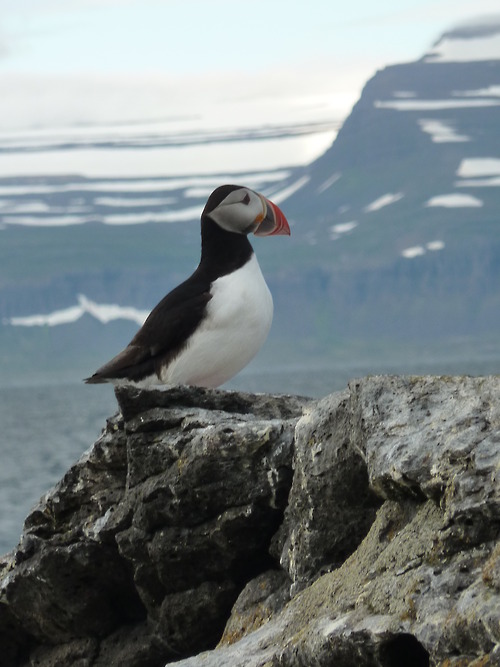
x,y
43,431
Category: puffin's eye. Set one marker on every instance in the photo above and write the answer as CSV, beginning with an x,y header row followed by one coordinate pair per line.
x,y
246,199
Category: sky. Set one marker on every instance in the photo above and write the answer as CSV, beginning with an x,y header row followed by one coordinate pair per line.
x,y
65,62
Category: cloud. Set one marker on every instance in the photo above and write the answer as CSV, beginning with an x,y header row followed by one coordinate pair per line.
x,y
481,26
31,7
4,45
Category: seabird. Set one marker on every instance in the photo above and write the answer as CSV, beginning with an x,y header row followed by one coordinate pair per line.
x,y
208,328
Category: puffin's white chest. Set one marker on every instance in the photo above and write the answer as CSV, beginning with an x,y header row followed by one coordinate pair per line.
x,y
238,320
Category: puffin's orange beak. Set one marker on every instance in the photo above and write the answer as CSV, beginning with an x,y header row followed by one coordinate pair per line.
x,y
273,222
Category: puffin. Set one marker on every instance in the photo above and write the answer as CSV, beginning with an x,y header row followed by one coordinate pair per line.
x,y
209,327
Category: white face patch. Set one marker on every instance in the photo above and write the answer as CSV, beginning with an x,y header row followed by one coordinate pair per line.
x,y
240,211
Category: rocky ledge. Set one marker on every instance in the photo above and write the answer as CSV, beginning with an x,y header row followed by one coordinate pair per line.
x,y
211,528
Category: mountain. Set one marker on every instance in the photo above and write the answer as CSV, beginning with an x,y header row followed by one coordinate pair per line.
x,y
405,204
394,257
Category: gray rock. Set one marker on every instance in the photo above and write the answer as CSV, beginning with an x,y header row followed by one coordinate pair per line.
x,y
361,529
331,506
436,438
259,601
143,547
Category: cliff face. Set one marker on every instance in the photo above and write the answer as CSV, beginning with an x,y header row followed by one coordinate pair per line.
x,y
361,529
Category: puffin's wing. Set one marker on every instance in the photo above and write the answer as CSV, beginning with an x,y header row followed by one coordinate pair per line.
x,y
161,337
132,359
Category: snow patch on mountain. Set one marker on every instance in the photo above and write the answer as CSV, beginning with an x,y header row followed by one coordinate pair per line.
x,y
435,105
129,202
328,183
440,131
404,94
280,196
209,158
336,231
344,227
182,215
138,185
419,250
493,182
454,200
384,200
455,50
490,91
479,166
435,245
102,312
125,201
414,251
47,221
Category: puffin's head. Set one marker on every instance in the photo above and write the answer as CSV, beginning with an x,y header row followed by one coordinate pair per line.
x,y
241,210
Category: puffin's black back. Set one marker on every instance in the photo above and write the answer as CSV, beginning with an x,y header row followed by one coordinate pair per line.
x,y
181,311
